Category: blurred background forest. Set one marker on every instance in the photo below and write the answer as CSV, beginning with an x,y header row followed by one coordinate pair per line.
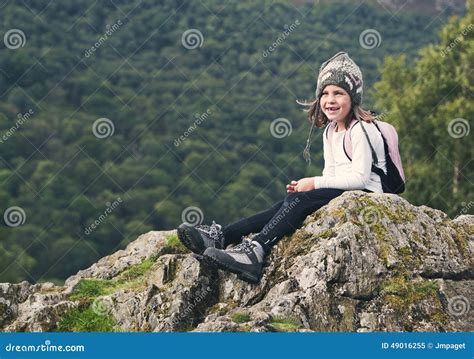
x,y
121,117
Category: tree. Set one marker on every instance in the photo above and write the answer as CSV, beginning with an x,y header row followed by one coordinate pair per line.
x,y
430,102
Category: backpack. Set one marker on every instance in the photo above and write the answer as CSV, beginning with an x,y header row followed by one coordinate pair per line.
x,y
394,180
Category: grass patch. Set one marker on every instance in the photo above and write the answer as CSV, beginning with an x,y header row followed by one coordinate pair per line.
x,y
137,270
285,324
88,289
240,317
131,278
85,320
173,245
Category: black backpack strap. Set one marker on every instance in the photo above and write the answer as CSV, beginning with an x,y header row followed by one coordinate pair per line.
x,y
375,160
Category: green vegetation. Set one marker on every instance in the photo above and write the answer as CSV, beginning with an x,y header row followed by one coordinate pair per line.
x,y
397,214
69,181
174,245
327,234
430,103
300,243
285,324
86,291
240,317
401,291
89,289
339,213
136,271
409,290
85,320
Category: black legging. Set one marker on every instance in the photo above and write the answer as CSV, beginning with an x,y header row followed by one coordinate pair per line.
x,y
282,218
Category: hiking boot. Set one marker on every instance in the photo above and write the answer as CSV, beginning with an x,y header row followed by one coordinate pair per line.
x,y
246,260
198,238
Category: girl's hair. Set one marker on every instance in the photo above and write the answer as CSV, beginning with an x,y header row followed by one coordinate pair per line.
x,y
317,118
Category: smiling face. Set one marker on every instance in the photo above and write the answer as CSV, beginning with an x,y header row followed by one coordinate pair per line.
x,y
336,104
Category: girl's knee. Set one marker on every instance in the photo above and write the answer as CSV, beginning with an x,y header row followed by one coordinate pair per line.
x,y
294,198
290,196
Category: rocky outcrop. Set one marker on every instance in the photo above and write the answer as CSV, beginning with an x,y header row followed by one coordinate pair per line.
x,y
364,262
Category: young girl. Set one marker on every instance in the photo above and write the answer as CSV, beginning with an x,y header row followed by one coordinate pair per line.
x,y
337,104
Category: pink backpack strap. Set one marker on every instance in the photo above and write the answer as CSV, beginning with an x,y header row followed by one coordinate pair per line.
x,y
330,128
348,140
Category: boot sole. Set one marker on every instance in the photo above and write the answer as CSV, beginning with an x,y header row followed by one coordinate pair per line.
x,y
186,235
243,275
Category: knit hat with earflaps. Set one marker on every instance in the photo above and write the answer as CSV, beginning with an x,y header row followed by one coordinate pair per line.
x,y
342,71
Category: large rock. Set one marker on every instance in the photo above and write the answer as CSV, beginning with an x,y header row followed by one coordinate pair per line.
x,y
364,262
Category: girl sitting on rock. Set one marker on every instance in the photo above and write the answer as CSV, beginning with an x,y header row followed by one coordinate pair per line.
x,y
337,104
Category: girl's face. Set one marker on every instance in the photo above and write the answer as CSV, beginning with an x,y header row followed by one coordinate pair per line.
x,y
335,103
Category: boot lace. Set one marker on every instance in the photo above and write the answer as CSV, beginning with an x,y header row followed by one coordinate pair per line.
x,y
246,246
214,230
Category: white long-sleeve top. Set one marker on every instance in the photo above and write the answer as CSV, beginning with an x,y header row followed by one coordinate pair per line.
x,y
341,173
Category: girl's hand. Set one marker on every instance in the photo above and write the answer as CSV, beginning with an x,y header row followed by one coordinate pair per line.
x,y
291,187
302,185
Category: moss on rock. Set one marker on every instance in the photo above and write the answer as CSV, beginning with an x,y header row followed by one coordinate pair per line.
x,y
401,291
173,246
285,324
87,290
240,317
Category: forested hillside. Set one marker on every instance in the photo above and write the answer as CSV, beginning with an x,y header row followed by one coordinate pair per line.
x,y
115,120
